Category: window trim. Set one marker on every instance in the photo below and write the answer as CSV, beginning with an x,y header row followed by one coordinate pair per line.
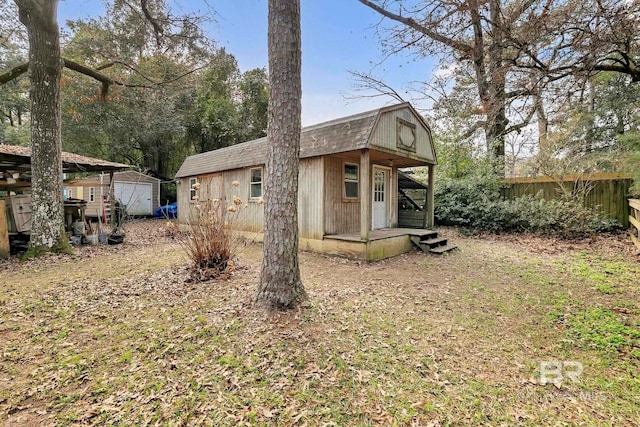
x,y
402,123
193,193
345,180
252,183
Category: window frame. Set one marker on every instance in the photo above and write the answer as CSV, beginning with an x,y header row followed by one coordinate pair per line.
x,y
402,123
92,194
346,180
253,183
193,193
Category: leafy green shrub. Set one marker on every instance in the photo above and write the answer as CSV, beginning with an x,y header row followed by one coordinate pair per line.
x,y
476,205
469,203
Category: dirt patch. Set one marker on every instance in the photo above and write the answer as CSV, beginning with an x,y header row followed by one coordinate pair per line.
x,y
118,335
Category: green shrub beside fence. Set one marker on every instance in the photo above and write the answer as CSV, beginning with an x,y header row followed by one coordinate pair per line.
x,y
479,204
606,193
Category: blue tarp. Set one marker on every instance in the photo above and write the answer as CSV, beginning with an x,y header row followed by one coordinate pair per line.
x,y
167,211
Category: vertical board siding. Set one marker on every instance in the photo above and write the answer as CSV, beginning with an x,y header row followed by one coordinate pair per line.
x,y
340,216
182,197
385,133
210,186
251,212
607,196
251,216
310,198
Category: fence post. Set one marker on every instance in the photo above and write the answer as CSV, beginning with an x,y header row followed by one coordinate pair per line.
x,y
634,221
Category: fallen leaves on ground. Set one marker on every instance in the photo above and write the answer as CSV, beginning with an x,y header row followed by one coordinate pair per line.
x,y
119,335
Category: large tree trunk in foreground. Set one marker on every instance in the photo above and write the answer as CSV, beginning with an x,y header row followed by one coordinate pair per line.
x,y
280,285
45,65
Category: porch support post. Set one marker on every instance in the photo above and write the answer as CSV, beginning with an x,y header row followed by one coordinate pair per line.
x,y
112,190
429,208
365,194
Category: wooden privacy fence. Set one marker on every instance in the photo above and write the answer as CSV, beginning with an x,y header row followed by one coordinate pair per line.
x,y
605,192
634,219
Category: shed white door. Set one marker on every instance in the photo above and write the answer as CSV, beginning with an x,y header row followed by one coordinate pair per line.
x,y
136,196
380,202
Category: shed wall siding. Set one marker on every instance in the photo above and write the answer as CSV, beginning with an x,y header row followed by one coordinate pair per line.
x,y
182,197
384,135
210,187
101,184
340,216
95,208
310,200
81,190
251,216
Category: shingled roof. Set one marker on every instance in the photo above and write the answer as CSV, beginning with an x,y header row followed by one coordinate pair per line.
x,y
335,136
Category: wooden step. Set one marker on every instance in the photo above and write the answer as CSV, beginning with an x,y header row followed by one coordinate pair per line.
x,y
432,241
424,234
435,241
439,250
429,242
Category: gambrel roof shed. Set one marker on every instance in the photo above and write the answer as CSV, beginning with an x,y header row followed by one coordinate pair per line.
x,y
351,133
348,185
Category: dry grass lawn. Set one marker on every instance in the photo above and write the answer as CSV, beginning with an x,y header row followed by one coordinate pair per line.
x,y
117,336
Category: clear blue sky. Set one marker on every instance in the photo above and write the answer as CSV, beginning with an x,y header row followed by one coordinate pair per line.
x,y
337,37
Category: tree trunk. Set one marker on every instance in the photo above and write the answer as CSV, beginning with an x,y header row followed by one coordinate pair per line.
x,y
543,122
280,285
45,66
497,118
490,77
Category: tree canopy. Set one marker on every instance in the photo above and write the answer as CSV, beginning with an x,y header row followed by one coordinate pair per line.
x,y
133,81
518,63
148,96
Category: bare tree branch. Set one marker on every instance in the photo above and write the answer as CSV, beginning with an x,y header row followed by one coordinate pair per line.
x,y
480,124
523,124
159,31
412,23
14,73
631,69
368,82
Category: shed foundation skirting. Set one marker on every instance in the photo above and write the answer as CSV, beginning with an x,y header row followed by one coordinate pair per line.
x,y
382,244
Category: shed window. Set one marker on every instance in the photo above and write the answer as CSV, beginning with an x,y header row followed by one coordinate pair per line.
x,y
351,180
255,184
92,194
193,189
